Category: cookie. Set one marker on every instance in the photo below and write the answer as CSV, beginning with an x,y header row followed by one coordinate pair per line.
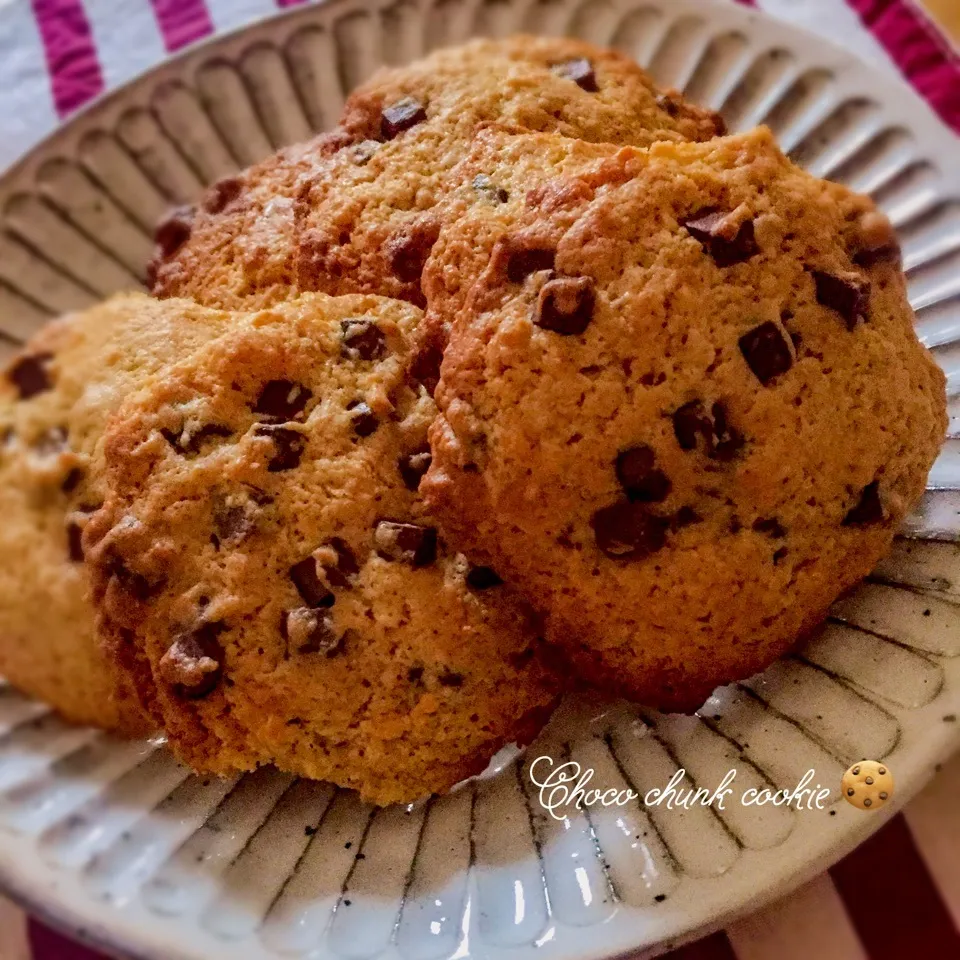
x,y
55,397
355,210
683,409
868,785
271,581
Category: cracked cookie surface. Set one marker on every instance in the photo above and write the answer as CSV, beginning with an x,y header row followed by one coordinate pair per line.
x,y
269,577
56,396
355,210
683,407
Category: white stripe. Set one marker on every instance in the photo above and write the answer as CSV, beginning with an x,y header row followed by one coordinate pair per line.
x,y
27,112
935,824
127,38
811,923
230,14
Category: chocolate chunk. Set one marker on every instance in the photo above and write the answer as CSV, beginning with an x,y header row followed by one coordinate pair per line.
x,y
341,572
361,339
192,443
193,664
219,196
684,517
312,631
627,531
847,293
282,400
406,542
289,445
72,480
580,71
415,674
425,366
565,305
75,541
400,116
407,251
483,578
51,442
29,375
128,581
870,258
767,352
309,585
522,261
869,508
778,555
638,475
489,190
696,427
173,231
669,102
235,517
770,526
413,466
363,418
727,248
450,679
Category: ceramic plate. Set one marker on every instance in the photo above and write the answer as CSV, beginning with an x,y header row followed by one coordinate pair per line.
x,y
120,845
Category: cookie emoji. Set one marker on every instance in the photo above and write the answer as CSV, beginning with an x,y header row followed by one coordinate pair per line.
x,y
354,211
683,407
868,785
272,583
55,398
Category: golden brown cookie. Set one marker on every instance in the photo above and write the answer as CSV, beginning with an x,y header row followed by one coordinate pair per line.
x,y
354,210
271,581
683,409
55,398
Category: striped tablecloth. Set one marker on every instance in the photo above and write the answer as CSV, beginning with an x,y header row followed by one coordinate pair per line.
x,y
897,897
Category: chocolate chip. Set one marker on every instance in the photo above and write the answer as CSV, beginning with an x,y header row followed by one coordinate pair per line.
x,y
192,443
522,261
415,674
362,153
406,542
193,664
489,190
669,102
400,116
638,475
697,428
565,305
344,568
425,366
363,418
766,351
891,253
282,400
709,228
450,679
869,508
235,517
289,446
684,517
312,631
407,251
627,531
29,375
72,480
483,578
128,581
51,442
75,541
219,196
770,526
413,466
361,339
580,71
173,231
779,554
847,293
309,585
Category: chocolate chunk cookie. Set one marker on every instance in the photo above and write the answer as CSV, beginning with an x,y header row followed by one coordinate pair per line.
x,y
55,398
270,579
660,418
354,211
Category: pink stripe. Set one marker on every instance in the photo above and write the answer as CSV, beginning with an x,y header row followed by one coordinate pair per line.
x,y
182,21
922,55
75,75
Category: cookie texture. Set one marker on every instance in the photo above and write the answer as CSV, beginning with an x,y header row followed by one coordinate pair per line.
x,y
55,397
694,417
355,210
270,579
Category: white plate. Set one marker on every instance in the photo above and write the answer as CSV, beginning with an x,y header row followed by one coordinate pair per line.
x,y
118,844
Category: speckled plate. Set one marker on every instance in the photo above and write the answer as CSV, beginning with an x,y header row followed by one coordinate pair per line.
x,y
120,845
